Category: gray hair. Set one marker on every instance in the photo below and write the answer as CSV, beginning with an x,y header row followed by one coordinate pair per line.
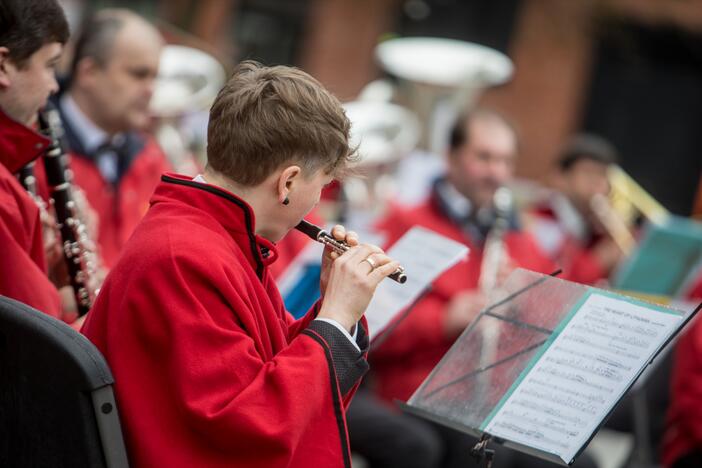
x,y
98,34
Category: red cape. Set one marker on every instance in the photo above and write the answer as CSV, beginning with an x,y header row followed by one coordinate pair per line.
x,y
210,370
23,274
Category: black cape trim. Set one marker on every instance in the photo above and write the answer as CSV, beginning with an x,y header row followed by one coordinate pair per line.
x,y
338,410
247,214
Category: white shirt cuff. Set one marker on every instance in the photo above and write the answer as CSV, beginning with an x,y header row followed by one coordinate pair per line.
x,y
351,338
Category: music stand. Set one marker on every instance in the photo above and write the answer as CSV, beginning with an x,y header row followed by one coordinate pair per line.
x,y
566,354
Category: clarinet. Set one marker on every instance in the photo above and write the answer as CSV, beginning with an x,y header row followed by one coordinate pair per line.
x,y
494,248
494,253
27,179
74,236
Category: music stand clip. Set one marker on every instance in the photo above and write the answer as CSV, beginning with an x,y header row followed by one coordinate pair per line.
x,y
480,451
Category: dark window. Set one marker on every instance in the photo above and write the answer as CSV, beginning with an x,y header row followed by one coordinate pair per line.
x,y
646,97
270,31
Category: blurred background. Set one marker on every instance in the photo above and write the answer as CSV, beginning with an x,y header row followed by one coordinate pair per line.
x,y
629,70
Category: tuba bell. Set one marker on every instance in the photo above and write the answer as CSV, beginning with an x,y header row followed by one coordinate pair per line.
x,y
439,78
436,79
382,133
188,82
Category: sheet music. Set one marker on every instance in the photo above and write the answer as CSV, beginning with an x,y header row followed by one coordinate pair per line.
x,y
425,255
562,396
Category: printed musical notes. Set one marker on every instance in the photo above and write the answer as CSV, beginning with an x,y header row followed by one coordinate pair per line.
x,y
580,373
424,255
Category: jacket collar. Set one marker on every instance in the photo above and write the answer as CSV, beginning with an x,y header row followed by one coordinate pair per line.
x,y
82,128
19,144
475,223
78,130
231,212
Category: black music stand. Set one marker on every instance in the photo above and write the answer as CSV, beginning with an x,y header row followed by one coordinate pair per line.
x,y
541,369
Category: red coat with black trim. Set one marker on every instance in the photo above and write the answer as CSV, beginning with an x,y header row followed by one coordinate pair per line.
x,y
210,370
418,343
23,270
695,290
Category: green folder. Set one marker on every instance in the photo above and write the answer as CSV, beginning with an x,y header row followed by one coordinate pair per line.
x,y
666,256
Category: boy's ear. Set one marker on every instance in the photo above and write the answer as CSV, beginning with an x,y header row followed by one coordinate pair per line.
x,y
287,180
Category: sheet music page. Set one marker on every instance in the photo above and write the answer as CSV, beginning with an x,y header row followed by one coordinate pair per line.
x,y
569,387
425,255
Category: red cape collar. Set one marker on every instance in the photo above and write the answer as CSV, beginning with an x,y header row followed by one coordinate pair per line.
x,y
233,213
19,144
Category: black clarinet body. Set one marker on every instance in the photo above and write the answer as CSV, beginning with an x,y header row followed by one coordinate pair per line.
x,y
74,238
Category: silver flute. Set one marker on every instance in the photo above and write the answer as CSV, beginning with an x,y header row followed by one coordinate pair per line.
x,y
320,235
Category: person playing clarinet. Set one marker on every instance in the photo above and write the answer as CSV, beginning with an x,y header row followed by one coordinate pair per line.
x,y
32,35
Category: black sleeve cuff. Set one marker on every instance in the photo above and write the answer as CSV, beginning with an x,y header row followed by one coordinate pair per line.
x,y
350,364
362,339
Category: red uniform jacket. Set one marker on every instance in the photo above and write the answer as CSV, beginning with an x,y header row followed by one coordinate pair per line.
x,y
210,370
684,419
23,270
417,344
120,207
695,290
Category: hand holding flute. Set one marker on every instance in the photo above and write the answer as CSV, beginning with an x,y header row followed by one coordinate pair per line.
x,y
350,273
339,246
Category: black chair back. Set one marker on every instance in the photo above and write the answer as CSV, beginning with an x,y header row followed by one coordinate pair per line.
x,y
57,408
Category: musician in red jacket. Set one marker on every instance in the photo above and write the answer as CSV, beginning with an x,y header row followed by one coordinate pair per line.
x,y
565,225
682,438
32,35
105,114
209,368
481,156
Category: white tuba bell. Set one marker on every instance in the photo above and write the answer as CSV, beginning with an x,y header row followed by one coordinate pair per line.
x,y
383,133
187,84
438,78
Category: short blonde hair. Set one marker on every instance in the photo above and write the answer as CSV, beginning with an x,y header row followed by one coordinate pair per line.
x,y
265,117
